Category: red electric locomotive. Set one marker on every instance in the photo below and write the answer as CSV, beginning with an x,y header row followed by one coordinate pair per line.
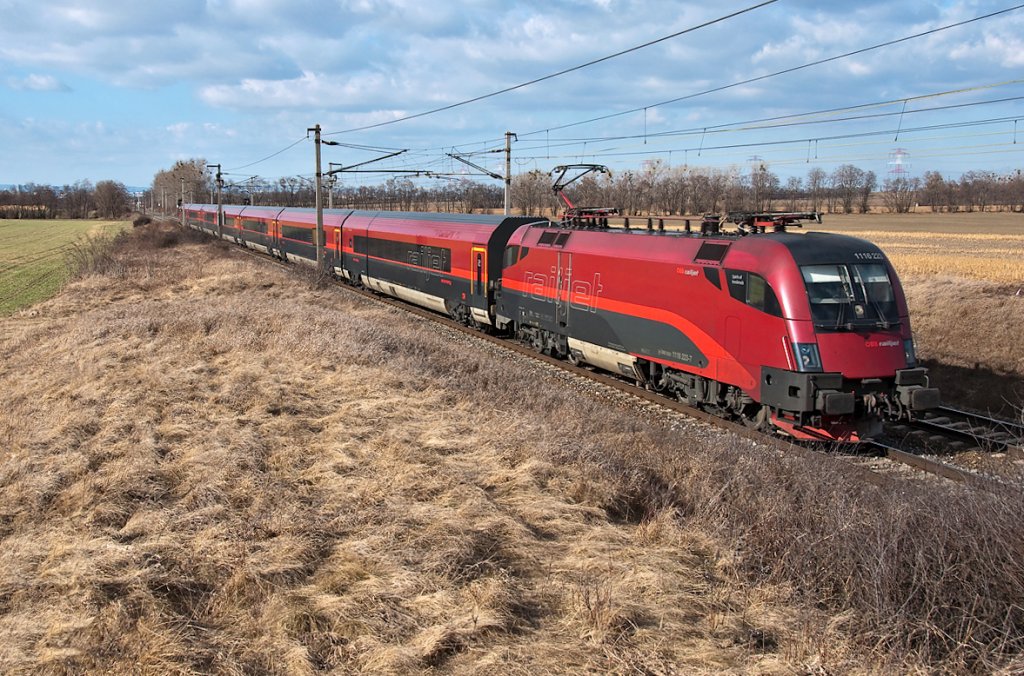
x,y
808,333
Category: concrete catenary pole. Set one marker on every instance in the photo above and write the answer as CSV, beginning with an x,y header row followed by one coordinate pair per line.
x,y
220,208
319,202
508,170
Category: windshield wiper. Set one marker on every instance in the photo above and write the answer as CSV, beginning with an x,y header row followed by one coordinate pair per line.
x,y
841,315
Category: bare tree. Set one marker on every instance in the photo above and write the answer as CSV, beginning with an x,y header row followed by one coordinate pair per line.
x,y
900,193
933,191
816,182
868,183
111,199
188,173
647,186
531,192
847,181
978,188
792,192
764,185
78,199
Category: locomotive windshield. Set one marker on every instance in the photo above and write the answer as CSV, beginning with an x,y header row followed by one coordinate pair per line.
x,y
845,296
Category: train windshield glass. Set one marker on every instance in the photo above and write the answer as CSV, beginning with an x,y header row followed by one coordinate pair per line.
x,y
850,295
875,287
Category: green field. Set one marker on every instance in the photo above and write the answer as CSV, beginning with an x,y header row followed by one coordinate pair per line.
x,y
33,261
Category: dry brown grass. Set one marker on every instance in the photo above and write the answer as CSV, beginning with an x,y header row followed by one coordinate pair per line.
x,y
208,464
211,466
972,335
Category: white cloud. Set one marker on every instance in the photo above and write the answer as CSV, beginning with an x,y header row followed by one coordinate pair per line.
x,y
858,68
179,130
309,89
81,16
38,83
1006,50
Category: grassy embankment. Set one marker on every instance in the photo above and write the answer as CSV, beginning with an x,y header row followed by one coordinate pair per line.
x,y
32,257
964,279
207,464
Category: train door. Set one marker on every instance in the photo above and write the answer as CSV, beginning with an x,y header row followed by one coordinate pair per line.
x,y
356,250
733,337
337,257
563,282
478,284
275,238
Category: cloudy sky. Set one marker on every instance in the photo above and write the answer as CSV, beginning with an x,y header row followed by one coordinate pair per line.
x,y
120,89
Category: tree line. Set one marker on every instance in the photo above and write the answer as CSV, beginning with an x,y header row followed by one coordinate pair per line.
x,y
654,189
106,199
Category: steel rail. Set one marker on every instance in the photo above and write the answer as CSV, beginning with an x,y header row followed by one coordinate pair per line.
x,y
931,466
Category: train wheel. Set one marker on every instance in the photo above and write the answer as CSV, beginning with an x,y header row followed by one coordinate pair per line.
x,y
755,418
537,341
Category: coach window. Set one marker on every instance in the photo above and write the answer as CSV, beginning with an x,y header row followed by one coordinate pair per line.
x,y
300,234
737,284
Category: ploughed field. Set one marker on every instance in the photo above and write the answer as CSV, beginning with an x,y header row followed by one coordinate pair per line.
x,y
33,257
209,463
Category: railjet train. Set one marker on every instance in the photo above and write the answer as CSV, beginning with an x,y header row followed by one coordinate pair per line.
x,y
807,334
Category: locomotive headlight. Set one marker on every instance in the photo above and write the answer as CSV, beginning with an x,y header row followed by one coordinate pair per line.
x,y
909,353
807,356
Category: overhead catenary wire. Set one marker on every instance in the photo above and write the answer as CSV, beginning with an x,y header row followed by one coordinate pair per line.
x,y
617,152
784,71
650,136
778,121
708,151
565,71
271,156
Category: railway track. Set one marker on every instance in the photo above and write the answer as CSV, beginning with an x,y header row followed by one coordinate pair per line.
x,y
860,464
937,467
966,429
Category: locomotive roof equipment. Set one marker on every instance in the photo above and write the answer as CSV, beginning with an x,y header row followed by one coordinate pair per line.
x,y
581,215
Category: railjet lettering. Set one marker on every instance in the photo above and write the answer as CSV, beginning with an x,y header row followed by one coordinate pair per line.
x,y
582,296
881,343
429,257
